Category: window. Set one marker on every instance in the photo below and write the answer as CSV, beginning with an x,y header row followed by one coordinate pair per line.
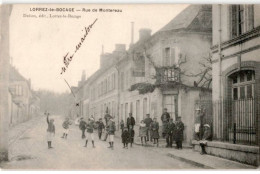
x,y
242,19
137,114
167,56
170,56
243,84
122,81
18,90
113,81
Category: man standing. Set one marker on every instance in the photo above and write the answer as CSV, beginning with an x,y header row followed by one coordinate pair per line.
x,y
107,118
179,133
199,122
165,119
148,122
101,126
169,133
90,130
122,125
130,121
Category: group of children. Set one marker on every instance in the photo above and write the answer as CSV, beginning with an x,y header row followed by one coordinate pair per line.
x,y
127,135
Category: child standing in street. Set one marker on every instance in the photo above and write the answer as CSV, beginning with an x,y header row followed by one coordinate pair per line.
x,y
101,126
66,129
90,130
132,135
125,137
142,131
50,130
111,132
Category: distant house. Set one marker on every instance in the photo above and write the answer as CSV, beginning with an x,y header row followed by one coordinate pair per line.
x,y
24,103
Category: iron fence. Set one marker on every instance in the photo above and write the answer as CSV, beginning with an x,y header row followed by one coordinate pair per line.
x,y
236,121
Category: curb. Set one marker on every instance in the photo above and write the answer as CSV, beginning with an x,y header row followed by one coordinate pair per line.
x,y
189,161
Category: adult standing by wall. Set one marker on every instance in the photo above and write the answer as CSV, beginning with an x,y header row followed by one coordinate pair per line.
x,y
130,121
155,131
199,122
107,118
148,122
170,128
165,120
179,133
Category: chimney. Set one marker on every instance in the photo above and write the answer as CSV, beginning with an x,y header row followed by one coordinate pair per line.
x,y
144,33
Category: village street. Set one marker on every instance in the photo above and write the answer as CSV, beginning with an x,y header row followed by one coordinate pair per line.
x,y
30,151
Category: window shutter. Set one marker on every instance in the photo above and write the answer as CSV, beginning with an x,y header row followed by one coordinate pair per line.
x,y
163,57
234,13
172,56
250,17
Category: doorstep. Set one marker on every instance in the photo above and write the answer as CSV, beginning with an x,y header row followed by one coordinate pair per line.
x,y
206,161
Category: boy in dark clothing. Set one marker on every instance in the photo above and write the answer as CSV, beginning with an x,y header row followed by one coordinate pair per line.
x,y
125,137
101,126
90,130
132,135
82,127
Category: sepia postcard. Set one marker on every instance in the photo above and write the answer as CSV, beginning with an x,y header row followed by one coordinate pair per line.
x,y
129,86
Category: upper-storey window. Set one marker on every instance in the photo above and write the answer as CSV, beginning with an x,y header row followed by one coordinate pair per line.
x,y
18,90
170,56
242,19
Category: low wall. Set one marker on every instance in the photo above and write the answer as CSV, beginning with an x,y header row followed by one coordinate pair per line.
x,y
241,153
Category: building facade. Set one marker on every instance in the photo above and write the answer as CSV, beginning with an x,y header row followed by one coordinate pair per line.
x,y
24,104
158,71
236,77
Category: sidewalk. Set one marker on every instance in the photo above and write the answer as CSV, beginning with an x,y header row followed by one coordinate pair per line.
x,y
18,130
206,161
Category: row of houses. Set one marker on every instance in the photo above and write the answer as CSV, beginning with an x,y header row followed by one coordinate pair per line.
x,y
23,101
207,56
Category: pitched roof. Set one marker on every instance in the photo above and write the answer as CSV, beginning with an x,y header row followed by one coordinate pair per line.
x,y
185,18
14,75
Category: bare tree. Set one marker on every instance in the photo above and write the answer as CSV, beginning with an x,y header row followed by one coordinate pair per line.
x,y
205,73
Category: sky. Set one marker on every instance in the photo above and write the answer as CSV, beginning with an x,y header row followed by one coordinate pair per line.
x,y
38,45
